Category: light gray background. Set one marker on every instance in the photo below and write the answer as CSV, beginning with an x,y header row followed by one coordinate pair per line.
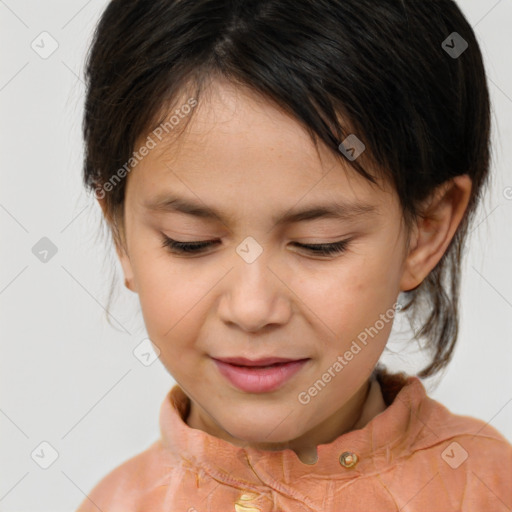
x,y
69,378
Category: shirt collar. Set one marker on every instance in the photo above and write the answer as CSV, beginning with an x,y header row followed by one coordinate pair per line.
x,y
394,398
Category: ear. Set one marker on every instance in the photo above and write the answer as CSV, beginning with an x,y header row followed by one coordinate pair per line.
x,y
435,229
124,259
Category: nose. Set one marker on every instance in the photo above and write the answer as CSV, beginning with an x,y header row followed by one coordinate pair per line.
x,y
254,297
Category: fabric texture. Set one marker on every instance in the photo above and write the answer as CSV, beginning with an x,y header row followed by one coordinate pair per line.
x,y
412,455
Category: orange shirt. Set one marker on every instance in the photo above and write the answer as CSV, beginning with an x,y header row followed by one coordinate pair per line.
x,y
412,455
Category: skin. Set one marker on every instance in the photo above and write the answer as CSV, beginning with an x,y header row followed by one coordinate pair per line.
x,y
251,161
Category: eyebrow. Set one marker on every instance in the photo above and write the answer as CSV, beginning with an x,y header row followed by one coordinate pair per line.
x,y
336,210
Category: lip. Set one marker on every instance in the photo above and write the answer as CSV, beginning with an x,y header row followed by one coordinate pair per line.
x,y
264,361
253,378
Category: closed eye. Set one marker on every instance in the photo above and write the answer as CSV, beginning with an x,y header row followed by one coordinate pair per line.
x,y
325,249
199,247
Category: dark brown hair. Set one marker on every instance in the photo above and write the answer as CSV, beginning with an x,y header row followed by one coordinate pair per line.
x,y
381,66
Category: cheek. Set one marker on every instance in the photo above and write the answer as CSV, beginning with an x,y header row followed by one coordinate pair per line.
x,y
168,295
347,301
349,291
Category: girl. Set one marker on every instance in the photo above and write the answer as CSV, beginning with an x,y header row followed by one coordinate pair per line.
x,y
281,178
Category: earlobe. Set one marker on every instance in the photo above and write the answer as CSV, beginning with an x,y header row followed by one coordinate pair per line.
x,y
121,252
127,269
435,230
126,264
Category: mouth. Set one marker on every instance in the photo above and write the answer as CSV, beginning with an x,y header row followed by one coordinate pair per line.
x,y
264,361
259,376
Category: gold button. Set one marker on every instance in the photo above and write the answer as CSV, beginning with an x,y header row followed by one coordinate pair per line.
x,y
243,504
349,459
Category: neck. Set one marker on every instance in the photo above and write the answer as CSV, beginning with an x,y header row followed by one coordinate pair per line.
x,y
350,416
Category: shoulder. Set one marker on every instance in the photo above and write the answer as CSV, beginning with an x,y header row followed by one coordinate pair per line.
x,y
141,477
432,423
472,458
477,463
463,462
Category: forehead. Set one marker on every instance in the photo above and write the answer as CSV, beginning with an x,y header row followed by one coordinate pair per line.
x,y
239,150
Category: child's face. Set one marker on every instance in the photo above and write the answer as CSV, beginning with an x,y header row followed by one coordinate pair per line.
x,y
252,164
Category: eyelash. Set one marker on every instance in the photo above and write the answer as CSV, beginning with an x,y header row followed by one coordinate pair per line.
x,y
198,247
